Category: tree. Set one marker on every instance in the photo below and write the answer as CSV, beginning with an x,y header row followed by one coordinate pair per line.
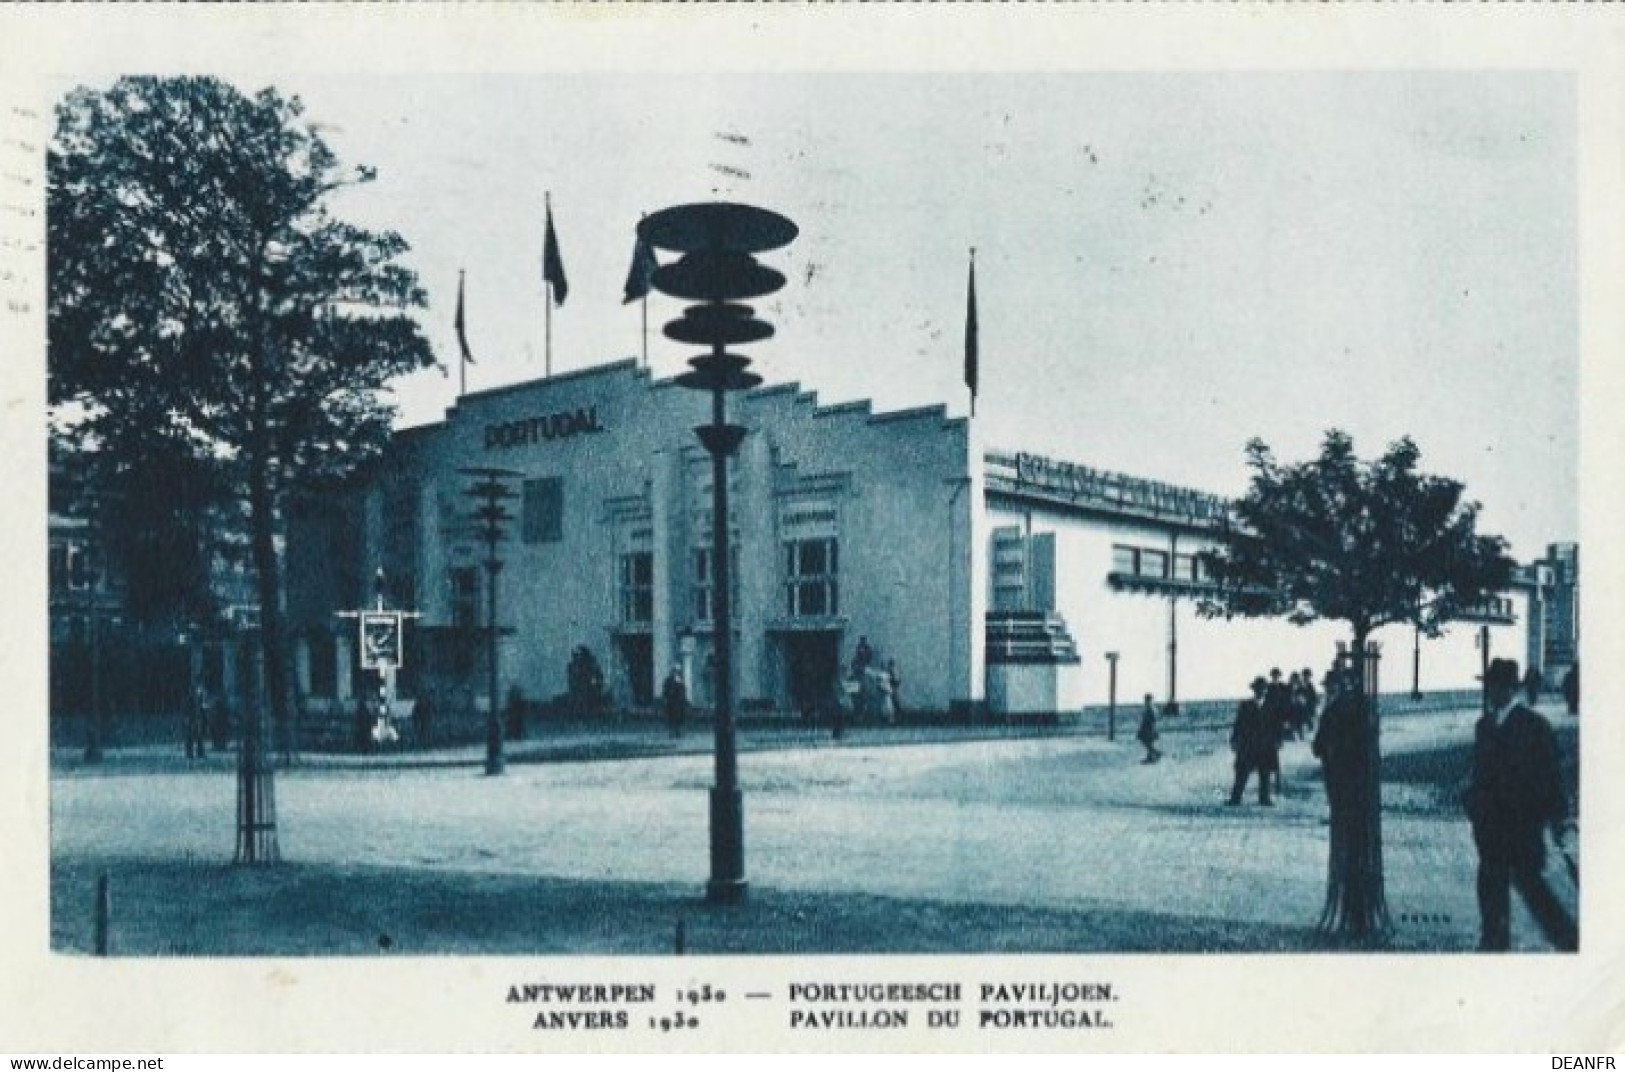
x,y
1370,544
159,508
205,305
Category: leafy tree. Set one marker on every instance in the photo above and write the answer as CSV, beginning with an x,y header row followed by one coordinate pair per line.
x,y
205,304
1370,544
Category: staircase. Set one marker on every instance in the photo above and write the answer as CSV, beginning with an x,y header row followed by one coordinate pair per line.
x,y
1030,636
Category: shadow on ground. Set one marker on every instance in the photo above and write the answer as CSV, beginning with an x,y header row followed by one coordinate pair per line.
x,y
305,910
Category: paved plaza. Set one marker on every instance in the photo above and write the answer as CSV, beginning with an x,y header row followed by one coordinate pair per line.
x,y
1066,823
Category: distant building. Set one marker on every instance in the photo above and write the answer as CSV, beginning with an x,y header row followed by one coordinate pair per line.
x,y
997,580
1553,587
99,649
80,592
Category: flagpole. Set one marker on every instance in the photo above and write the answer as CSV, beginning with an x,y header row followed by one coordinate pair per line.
x,y
462,350
976,326
547,299
645,300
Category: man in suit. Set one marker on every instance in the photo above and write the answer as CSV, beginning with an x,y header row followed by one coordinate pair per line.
x,y
1277,714
1516,794
1255,743
674,697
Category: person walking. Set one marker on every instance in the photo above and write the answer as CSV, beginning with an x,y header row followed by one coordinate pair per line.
x,y
1311,701
674,699
1147,735
422,721
885,702
1571,689
862,657
197,724
1515,795
1340,743
1297,701
1253,742
1277,706
895,680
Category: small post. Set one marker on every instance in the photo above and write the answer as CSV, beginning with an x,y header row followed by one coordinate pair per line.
x,y
1111,696
1416,664
680,939
1173,653
104,912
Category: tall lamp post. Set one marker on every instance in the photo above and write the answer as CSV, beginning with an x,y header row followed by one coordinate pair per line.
x,y
491,491
1173,655
1111,696
716,268
1416,664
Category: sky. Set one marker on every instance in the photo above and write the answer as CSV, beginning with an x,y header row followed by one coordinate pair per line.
x,y
1168,265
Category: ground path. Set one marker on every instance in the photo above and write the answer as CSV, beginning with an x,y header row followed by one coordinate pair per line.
x,y
1054,822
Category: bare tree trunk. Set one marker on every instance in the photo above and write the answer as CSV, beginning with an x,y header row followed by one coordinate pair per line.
x,y
1356,907
268,568
256,786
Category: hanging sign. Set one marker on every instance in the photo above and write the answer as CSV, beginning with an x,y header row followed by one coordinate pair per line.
x,y
381,640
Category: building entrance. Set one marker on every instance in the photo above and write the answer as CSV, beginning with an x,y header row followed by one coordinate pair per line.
x,y
812,664
637,652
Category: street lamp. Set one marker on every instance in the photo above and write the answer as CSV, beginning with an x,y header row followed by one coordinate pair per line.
x,y
1416,664
1111,697
717,269
1173,655
490,489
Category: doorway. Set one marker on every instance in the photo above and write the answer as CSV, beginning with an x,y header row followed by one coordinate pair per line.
x,y
638,660
812,663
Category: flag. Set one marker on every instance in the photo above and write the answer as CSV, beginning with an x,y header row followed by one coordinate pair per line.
x,y
639,278
462,330
970,334
553,264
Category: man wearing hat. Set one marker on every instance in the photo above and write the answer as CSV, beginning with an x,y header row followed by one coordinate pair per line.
x,y
1255,743
1516,793
674,697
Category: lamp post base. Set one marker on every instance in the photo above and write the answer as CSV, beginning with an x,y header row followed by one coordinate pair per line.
x,y
727,885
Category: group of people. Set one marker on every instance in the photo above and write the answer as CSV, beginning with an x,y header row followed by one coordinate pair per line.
x,y
1276,711
875,690
1515,797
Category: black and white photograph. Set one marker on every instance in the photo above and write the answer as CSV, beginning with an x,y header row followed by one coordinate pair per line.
x,y
923,553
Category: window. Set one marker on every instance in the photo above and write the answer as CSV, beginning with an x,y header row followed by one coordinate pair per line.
x,y
70,565
542,513
811,570
705,583
1156,564
1009,569
638,587
465,597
